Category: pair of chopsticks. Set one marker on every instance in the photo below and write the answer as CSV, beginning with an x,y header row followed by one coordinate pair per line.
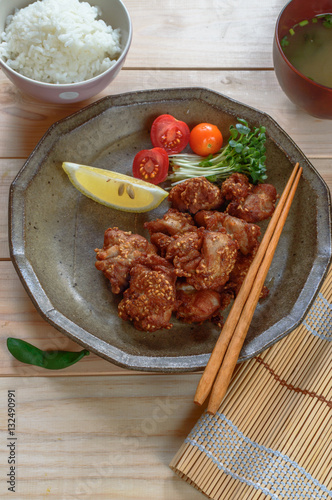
x,y
218,372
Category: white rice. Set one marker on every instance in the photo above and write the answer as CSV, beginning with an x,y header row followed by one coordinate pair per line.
x,y
59,41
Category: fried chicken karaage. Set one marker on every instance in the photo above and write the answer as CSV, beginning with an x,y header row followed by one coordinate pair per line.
x,y
204,257
161,242
257,205
196,194
198,256
196,306
173,222
244,233
150,299
118,254
236,187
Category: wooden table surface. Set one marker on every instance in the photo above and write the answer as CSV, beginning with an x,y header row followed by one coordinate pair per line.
x,y
96,430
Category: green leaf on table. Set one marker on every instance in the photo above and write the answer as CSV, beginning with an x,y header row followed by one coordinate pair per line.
x,y
51,360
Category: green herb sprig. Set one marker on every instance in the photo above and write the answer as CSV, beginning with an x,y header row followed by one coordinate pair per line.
x,y
284,42
245,153
327,22
51,360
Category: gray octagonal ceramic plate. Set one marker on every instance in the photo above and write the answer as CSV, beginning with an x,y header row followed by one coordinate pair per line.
x,y
54,230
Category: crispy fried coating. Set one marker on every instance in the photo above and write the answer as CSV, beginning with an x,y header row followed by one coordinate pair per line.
x,y
195,194
150,299
118,254
257,206
248,202
244,233
236,186
218,259
205,258
184,251
196,306
173,222
161,242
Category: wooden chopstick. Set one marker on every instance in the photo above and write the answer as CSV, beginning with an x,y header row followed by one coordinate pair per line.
x,y
230,327
233,351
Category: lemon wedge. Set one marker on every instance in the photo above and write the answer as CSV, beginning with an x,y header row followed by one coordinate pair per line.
x,y
113,189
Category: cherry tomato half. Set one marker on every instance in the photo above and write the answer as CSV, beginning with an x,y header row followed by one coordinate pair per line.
x,y
205,139
151,165
170,134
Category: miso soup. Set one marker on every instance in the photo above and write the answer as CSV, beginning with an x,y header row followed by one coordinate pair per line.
x,y
308,47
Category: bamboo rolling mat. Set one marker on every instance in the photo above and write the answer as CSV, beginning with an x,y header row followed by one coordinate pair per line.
x,y
272,435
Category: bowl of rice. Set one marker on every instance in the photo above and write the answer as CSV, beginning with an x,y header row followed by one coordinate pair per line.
x,y
63,51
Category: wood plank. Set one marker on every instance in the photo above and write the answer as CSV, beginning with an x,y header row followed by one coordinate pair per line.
x,y
100,438
23,121
224,35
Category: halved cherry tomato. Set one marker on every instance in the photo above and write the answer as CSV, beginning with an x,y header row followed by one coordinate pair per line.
x,y
205,139
170,134
151,165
